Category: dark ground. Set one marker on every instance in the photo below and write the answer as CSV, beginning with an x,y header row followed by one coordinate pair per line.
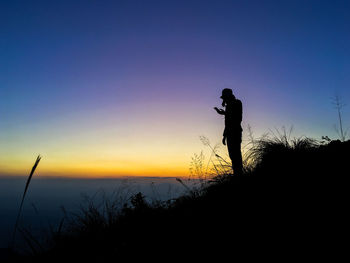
x,y
292,206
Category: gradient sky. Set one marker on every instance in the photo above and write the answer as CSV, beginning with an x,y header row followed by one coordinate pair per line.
x,y
109,88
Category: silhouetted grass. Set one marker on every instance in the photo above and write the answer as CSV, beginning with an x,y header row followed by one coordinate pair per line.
x,y
22,201
283,153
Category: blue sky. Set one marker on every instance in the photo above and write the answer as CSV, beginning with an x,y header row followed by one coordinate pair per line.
x,y
97,85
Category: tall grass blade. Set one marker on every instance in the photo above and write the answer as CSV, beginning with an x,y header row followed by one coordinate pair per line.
x,y
24,194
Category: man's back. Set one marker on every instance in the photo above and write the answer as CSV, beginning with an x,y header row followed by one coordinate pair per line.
x,y
233,115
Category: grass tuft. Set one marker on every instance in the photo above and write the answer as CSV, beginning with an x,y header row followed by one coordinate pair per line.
x,y
22,201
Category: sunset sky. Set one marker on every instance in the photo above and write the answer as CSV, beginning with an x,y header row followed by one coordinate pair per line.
x,y
113,88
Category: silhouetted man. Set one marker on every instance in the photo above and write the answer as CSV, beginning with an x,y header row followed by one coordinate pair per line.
x,y
233,129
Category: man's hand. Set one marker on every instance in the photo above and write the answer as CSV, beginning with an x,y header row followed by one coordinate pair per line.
x,y
224,140
220,111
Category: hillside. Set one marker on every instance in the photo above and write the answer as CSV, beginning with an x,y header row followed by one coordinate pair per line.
x,y
292,203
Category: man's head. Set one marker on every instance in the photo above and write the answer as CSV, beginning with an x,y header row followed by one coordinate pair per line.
x,y
226,96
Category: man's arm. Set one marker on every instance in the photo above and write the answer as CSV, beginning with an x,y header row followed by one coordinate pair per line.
x,y
224,140
240,110
219,111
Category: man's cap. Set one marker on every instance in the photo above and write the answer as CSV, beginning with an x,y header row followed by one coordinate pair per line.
x,y
227,93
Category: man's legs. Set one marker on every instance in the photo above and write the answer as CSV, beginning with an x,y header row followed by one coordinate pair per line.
x,y
234,151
